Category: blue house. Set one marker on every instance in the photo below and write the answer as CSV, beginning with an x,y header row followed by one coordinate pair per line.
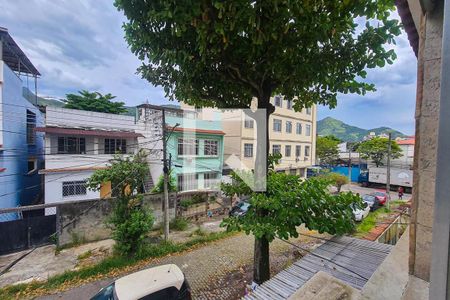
x,y
21,148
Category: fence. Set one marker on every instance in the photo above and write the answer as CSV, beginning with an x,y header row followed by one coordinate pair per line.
x,y
200,205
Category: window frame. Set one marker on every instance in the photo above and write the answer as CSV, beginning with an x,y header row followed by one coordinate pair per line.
x,y
276,122
280,101
308,111
298,128
117,145
289,104
190,185
248,122
286,152
210,182
278,146
79,145
250,149
307,151
298,151
308,130
193,144
211,144
31,125
290,126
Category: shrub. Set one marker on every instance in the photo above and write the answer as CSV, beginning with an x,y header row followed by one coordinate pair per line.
x,y
179,224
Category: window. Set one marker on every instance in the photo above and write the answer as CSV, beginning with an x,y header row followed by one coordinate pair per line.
x,y
278,101
298,128
210,180
289,104
308,130
288,126
31,125
287,150
187,182
308,110
187,147
276,149
248,150
293,171
32,165
71,145
276,125
307,150
211,147
298,150
74,188
113,146
248,122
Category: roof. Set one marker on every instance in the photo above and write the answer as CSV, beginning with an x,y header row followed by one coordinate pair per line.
x,y
408,23
196,130
89,132
350,260
406,142
13,56
59,170
145,282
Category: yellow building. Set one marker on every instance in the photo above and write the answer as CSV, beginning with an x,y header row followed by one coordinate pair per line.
x,y
291,133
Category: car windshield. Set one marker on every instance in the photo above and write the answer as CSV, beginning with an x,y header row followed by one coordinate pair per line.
x,y
106,293
243,205
368,198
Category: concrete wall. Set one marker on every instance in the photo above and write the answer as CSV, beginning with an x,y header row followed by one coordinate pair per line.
x,y
17,186
85,220
427,110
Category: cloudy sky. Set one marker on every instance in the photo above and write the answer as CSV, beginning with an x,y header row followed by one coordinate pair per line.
x,y
79,45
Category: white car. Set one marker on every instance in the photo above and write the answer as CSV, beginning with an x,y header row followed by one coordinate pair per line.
x,y
360,214
162,282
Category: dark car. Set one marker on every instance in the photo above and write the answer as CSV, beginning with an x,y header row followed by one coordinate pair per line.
x,y
372,201
381,196
239,209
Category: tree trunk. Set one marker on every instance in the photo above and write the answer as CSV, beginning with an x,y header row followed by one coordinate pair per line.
x,y
261,261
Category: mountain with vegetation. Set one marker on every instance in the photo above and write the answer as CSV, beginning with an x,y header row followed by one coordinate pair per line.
x,y
348,133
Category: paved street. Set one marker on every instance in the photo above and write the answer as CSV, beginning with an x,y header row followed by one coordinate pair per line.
x,y
219,270
365,190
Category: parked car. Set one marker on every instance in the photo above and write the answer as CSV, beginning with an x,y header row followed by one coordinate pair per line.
x,y
239,209
381,196
372,201
360,213
162,282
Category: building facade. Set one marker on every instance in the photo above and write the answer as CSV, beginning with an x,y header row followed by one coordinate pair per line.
x,y
77,143
195,147
21,149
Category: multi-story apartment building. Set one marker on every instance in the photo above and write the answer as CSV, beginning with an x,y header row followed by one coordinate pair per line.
x,y
194,146
291,133
79,142
21,148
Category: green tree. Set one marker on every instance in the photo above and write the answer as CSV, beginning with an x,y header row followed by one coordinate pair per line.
x,y
225,53
336,179
290,202
171,184
94,102
376,149
327,149
129,220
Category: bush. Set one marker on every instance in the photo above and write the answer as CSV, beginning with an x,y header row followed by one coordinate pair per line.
x,y
186,203
179,224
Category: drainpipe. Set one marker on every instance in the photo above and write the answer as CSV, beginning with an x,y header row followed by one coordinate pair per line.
x,y
439,275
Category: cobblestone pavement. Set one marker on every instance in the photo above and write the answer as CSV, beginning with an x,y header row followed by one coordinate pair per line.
x,y
220,270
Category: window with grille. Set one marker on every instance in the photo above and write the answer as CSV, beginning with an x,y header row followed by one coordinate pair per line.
x,y
307,150
308,130
278,101
211,147
113,146
74,188
248,150
187,147
276,149
248,122
71,145
31,125
298,150
287,150
187,182
276,125
288,126
299,128
210,180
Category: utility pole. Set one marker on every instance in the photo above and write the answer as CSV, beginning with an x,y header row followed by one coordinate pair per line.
x,y
166,177
349,165
388,173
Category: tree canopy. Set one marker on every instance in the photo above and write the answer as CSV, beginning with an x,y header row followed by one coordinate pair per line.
x,y
336,179
327,149
94,101
376,149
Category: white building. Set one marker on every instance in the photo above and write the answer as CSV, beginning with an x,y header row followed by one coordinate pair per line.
x,y
407,158
79,142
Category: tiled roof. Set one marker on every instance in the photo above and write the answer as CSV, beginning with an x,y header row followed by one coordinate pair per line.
x,y
407,142
89,132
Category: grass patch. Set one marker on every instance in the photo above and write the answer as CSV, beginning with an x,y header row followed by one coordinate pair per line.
x,y
179,224
85,255
368,223
198,232
103,268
